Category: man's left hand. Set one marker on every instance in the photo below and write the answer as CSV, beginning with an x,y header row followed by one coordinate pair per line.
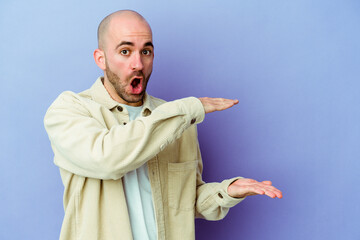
x,y
246,187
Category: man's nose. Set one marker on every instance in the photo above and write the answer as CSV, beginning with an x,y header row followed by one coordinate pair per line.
x,y
136,62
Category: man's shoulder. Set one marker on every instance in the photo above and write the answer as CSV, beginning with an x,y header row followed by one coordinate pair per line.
x,y
155,101
72,96
69,99
85,94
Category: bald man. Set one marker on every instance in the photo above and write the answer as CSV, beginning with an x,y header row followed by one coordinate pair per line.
x,y
130,163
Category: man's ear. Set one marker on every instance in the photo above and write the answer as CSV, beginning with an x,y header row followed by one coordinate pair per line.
x,y
99,57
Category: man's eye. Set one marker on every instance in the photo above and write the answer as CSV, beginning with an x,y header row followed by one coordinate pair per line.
x,y
124,52
146,52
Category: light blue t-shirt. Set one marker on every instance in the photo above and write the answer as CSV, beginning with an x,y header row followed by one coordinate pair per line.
x,y
139,197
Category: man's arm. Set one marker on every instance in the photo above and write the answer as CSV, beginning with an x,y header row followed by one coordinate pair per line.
x,y
87,145
84,145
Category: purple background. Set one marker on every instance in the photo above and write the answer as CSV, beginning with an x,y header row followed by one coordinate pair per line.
x,y
293,65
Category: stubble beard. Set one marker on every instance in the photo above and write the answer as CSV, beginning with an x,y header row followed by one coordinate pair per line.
x,y
120,88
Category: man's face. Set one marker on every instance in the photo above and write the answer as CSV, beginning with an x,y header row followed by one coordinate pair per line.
x,y
129,60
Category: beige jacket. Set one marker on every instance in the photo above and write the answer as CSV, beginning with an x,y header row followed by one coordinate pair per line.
x,y
95,145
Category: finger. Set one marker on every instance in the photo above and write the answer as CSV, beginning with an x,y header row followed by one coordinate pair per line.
x,y
267,182
228,101
231,101
263,191
273,192
222,104
216,104
224,101
256,190
266,190
276,191
270,194
269,188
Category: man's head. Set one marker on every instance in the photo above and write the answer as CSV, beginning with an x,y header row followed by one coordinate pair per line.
x,y
125,53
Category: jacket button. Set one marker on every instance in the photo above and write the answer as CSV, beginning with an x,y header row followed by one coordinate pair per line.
x,y
220,196
193,120
120,108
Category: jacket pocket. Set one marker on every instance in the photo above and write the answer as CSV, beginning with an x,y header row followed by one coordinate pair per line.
x,y
182,185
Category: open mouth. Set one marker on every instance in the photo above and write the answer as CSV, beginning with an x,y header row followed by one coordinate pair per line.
x,y
135,82
136,85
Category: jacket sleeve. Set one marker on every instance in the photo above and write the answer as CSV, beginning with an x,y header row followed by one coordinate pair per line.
x,y
85,146
212,200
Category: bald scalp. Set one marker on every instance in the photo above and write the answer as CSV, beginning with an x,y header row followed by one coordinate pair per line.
x,y
105,23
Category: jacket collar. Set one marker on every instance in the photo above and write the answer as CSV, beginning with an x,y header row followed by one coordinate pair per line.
x,y
100,95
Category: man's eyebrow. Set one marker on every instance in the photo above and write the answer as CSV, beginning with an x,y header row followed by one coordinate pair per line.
x,y
149,44
124,43
132,44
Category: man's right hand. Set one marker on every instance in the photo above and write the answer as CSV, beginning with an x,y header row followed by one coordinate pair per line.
x,y
217,104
